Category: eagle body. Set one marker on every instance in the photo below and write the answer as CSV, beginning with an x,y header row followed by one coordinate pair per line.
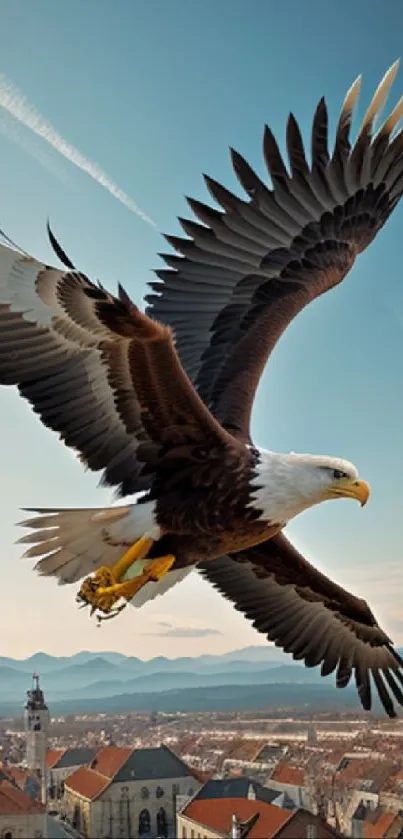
x,y
160,402
234,499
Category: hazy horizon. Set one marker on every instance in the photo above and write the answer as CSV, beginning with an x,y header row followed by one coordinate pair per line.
x,y
105,651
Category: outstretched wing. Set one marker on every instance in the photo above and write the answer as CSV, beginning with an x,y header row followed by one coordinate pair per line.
x,y
103,375
311,617
250,267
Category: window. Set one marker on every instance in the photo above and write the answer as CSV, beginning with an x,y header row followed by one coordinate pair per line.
x,y
184,834
7,834
144,793
159,792
144,822
190,791
162,824
76,820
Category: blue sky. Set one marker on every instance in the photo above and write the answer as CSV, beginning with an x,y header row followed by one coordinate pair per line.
x,y
155,93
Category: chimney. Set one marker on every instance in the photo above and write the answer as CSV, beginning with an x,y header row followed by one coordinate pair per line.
x,y
235,828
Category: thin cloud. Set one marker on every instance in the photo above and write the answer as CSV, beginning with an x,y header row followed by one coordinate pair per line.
x,y
15,103
190,632
184,631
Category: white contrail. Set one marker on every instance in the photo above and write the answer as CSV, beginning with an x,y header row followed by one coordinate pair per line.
x,y
15,132
15,103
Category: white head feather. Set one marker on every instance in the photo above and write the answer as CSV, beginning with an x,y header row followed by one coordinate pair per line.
x,y
286,484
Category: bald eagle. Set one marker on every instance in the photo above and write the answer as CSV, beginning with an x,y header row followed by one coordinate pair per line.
x,y
160,401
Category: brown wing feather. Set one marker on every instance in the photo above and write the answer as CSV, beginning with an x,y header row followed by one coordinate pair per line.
x,y
168,401
250,267
311,617
97,371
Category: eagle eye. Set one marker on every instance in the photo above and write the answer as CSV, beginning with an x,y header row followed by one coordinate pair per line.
x,y
337,474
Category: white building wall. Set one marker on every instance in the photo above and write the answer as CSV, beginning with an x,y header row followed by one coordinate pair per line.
x,y
24,825
116,813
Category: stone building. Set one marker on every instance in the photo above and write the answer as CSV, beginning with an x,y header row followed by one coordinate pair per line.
x,y
20,815
128,792
242,818
63,762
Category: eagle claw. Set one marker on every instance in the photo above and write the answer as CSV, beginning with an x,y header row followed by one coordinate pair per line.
x,y
102,590
90,595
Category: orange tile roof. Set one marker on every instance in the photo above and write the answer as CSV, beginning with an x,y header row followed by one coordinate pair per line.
x,y
87,783
378,771
394,780
246,750
285,774
110,759
217,813
380,828
53,756
17,774
14,801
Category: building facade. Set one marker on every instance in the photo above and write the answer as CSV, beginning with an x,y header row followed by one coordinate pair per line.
x,y
240,818
62,763
128,792
20,816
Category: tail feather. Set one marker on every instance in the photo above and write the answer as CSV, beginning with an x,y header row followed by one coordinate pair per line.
x,y
70,544
73,543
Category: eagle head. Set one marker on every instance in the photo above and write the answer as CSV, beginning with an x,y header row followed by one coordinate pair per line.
x,y
286,484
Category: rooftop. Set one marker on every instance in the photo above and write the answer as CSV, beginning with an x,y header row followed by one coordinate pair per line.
x,y
53,756
115,764
65,758
87,783
109,760
217,815
375,823
367,773
242,787
284,774
14,801
153,763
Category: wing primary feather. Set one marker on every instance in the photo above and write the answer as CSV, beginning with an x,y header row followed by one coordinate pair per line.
x,y
379,98
12,243
344,123
310,617
383,694
390,678
60,253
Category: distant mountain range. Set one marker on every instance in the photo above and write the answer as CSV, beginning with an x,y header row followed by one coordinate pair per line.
x,y
259,676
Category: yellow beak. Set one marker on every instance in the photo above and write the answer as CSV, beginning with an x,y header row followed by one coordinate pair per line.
x,y
348,488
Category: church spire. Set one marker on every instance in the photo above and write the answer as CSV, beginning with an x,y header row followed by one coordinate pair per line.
x,y
36,720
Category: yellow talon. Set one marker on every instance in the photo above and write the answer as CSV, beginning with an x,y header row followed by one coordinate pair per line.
x,y
102,590
137,551
157,568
